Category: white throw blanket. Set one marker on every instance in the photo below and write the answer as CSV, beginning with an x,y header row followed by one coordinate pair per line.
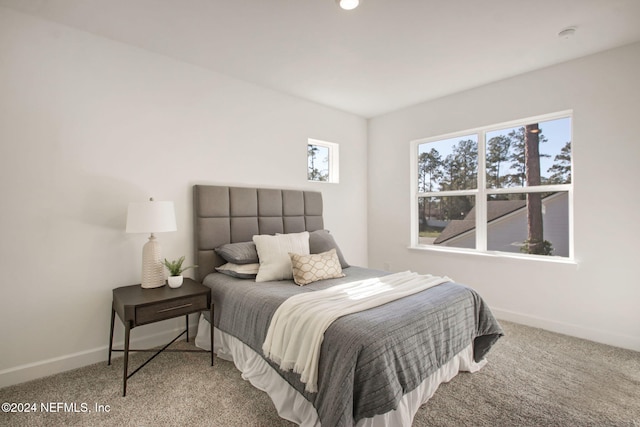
x,y
297,328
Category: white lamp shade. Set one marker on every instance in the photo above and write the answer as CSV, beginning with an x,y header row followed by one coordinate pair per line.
x,y
151,217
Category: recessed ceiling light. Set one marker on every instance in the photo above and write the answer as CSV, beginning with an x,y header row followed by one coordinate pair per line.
x,y
567,32
348,4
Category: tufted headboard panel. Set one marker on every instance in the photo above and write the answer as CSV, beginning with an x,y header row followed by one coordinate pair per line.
x,y
225,214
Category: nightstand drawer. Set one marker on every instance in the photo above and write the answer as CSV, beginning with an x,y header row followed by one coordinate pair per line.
x,y
170,309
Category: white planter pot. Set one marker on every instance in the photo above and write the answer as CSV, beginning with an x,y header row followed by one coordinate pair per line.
x,y
175,281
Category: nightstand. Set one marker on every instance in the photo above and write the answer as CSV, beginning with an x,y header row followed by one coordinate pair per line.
x,y
138,306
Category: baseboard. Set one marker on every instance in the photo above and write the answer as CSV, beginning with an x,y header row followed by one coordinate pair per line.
x,y
44,368
603,337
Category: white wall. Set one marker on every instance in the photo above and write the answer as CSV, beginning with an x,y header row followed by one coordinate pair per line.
x,y
88,125
596,298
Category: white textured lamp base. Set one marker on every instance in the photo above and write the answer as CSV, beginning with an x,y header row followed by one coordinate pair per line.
x,y
152,269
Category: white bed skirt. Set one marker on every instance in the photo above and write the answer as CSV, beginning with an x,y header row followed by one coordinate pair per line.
x,y
292,406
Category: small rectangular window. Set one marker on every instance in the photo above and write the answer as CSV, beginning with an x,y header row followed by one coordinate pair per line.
x,y
322,161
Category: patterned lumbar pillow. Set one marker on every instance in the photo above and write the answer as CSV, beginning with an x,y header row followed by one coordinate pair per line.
x,y
311,268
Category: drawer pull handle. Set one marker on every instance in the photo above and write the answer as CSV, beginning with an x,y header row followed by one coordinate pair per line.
x,y
175,308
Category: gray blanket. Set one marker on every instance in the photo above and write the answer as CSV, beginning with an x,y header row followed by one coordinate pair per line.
x,y
368,360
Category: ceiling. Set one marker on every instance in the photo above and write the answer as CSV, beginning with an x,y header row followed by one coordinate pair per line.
x,y
380,57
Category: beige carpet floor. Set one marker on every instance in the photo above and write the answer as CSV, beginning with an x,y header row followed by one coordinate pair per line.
x,y
533,378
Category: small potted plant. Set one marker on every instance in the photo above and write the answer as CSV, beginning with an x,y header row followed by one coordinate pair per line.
x,y
175,271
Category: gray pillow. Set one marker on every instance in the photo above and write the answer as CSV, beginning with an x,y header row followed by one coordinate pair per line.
x,y
239,253
321,241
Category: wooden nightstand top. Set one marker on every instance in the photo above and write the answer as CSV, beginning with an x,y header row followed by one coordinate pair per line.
x,y
137,295
130,301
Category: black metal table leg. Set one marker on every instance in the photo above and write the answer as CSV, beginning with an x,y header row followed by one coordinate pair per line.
x,y
127,331
211,329
113,319
187,317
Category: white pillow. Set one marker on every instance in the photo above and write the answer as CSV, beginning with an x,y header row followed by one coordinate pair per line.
x,y
241,271
273,253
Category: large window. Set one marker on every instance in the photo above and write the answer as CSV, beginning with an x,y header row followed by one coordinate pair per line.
x,y
505,188
322,161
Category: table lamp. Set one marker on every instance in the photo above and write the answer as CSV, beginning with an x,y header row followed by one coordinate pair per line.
x,y
151,217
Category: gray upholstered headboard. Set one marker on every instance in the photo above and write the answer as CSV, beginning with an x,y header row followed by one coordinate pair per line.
x,y
235,214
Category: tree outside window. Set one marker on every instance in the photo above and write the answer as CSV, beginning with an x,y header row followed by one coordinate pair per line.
x,y
322,161
318,163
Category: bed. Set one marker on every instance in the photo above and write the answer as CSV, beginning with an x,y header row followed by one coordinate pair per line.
x,y
375,367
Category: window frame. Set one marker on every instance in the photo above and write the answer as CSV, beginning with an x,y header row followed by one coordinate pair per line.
x,y
481,192
334,160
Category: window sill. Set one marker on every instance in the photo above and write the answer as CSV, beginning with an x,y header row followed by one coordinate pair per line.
x,y
323,182
496,254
